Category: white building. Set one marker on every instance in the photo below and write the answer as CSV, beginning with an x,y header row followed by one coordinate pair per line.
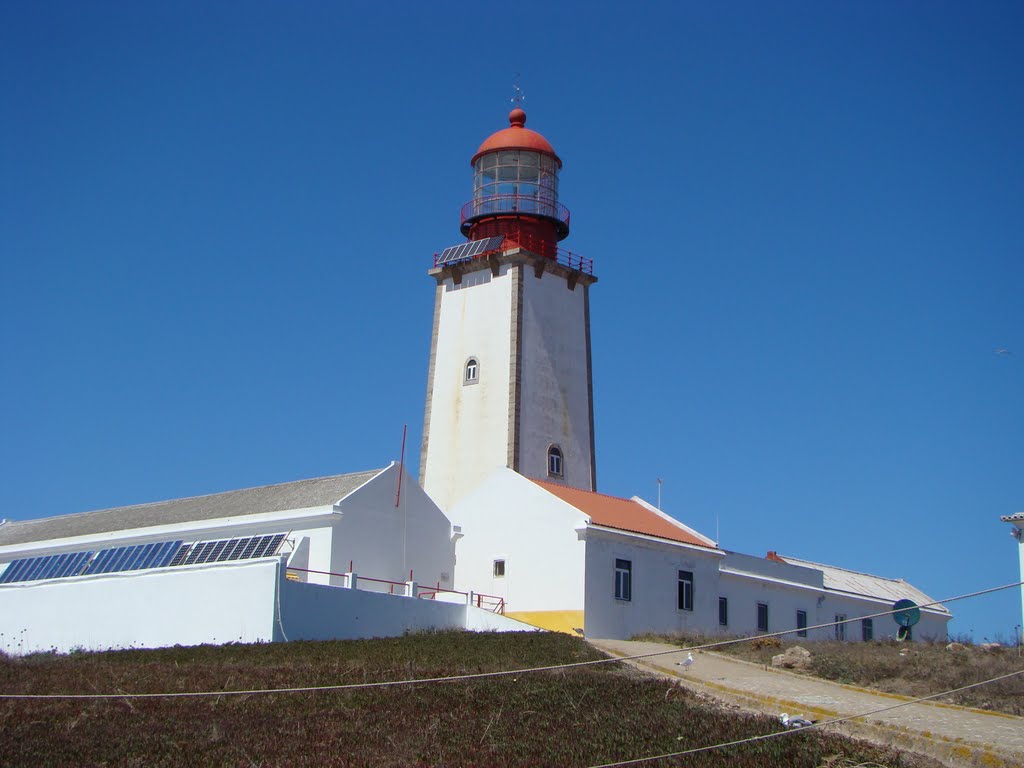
x,y
1017,521
566,559
508,451
775,593
330,557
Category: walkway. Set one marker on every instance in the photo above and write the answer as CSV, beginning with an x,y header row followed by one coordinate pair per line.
x,y
956,736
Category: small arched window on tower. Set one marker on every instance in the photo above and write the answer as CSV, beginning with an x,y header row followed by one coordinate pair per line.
x,y
472,373
555,461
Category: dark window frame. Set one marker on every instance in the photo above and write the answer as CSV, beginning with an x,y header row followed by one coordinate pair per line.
x,y
623,579
684,591
801,623
762,617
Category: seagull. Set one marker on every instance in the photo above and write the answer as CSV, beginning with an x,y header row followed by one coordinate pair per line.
x,y
1002,351
685,662
796,722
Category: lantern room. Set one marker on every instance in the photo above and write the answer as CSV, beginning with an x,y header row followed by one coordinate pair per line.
x,y
515,190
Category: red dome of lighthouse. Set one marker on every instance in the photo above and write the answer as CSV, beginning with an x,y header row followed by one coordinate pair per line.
x,y
517,136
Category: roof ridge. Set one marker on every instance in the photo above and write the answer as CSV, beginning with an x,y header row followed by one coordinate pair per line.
x,y
845,570
197,496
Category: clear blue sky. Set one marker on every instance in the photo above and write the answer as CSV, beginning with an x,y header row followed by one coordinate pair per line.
x,y
216,220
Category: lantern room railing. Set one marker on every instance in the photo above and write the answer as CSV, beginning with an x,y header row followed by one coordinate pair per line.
x,y
505,204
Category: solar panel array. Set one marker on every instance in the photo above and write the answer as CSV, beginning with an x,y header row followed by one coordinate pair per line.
x,y
138,557
470,250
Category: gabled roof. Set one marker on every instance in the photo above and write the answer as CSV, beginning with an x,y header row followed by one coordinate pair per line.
x,y
857,583
300,494
624,514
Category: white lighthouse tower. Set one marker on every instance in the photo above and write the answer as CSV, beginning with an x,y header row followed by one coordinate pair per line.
x,y
509,382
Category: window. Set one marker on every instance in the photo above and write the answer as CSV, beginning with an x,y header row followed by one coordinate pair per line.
x,y
840,628
723,612
762,617
801,623
499,569
555,461
472,371
867,630
623,579
684,600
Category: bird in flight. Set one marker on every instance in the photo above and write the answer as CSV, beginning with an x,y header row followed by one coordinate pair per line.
x,y
1002,351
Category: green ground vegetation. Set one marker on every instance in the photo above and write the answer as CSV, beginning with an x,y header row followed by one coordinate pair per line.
x,y
578,717
911,669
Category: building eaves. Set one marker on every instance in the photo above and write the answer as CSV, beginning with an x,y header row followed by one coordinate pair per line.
x,y
299,494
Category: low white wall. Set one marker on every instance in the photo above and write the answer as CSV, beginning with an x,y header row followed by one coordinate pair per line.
x,y
186,605
317,612
224,603
482,620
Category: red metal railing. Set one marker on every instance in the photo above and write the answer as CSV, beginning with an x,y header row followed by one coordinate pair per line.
x,y
529,204
563,256
493,603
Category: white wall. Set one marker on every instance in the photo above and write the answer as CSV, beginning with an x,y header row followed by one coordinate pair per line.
x,y
555,397
511,518
316,612
386,542
653,606
185,605
223,603
785,588
468,430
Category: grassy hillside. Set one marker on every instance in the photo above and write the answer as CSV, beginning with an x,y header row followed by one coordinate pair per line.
x,y
910,669
567,718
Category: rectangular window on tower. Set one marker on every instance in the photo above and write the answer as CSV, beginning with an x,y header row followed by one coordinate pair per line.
x,y
762,617
684,596
623,579
801,623
499,569
723,612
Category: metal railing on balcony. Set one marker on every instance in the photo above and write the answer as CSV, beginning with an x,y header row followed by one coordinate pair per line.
x,y
500,204
492,603
563,256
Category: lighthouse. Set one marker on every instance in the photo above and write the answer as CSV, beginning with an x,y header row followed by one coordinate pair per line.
x,y
509,382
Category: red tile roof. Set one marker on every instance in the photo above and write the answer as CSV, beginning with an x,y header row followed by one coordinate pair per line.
x,y
623,514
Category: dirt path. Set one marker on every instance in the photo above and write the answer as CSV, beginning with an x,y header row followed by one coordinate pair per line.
x,y
956,736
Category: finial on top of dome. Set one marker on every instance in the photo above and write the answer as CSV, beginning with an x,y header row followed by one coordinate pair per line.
x,y
517,116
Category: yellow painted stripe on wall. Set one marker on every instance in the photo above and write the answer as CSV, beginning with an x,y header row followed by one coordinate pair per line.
x,y
556,621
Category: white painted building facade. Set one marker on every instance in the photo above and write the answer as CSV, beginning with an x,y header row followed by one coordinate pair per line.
x,y
352,558
571,560
1017,531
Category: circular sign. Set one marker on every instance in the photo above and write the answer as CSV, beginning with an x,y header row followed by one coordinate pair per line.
x,y
907,614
